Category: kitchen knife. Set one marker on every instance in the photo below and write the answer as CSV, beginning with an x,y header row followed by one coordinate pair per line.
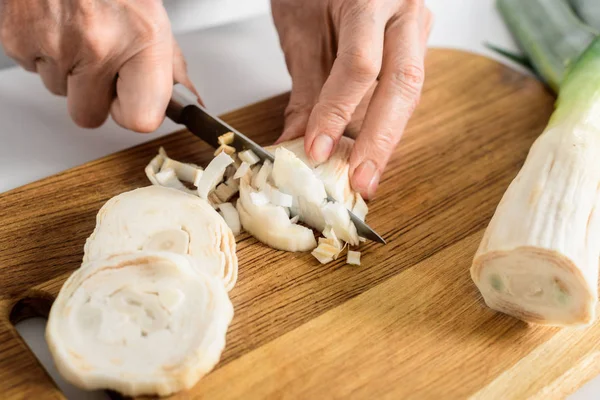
x,y
184,109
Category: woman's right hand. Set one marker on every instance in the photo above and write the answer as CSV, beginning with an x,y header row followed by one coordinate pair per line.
x,y
114,57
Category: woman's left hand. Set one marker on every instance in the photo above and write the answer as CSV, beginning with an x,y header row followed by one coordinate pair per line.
x,y
345,55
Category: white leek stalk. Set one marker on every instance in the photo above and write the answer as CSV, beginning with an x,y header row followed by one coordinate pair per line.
x,y
538,259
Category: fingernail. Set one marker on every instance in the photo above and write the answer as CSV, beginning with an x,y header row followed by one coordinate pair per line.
x,y
366,178
321,148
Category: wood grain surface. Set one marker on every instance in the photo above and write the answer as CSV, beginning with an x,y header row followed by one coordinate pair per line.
x,y
408,323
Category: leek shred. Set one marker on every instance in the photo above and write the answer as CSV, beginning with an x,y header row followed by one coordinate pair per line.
x,y
225,149
249,157
213,174
353,257
226,139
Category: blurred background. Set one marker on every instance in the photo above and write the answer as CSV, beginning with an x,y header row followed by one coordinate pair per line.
x,y
234,59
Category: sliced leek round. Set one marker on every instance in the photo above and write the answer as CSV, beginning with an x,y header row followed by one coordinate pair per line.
x,y
145,323
538,259
156,218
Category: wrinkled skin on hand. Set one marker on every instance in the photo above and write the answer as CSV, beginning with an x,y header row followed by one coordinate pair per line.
x,y
356,65
114,57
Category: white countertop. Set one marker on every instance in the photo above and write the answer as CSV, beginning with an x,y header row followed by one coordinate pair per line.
x,y
232,65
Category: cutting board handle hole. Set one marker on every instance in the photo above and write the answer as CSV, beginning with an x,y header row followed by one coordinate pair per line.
x,y
29,317
31,307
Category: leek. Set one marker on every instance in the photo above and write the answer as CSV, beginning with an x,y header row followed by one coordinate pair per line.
x,y
579,97
516,58
538,259
549,33
588,11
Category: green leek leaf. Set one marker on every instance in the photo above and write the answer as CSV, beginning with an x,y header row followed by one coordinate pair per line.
x,y
588,11
549,33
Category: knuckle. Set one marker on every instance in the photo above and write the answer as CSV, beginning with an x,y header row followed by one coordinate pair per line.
x,y
408,79
100,41
383,143
412,74
95,48
369,4
152,26
358,9
144,123
146,31
50,47
413,6
335,113
96,42
92,32
361,65
295,108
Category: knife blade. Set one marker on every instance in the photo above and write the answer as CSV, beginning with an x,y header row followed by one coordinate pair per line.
x,y
184,109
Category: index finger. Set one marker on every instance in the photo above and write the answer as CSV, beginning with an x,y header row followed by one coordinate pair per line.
x,y
353,73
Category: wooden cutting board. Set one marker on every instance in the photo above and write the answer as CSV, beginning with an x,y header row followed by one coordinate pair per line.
x,y
408,323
